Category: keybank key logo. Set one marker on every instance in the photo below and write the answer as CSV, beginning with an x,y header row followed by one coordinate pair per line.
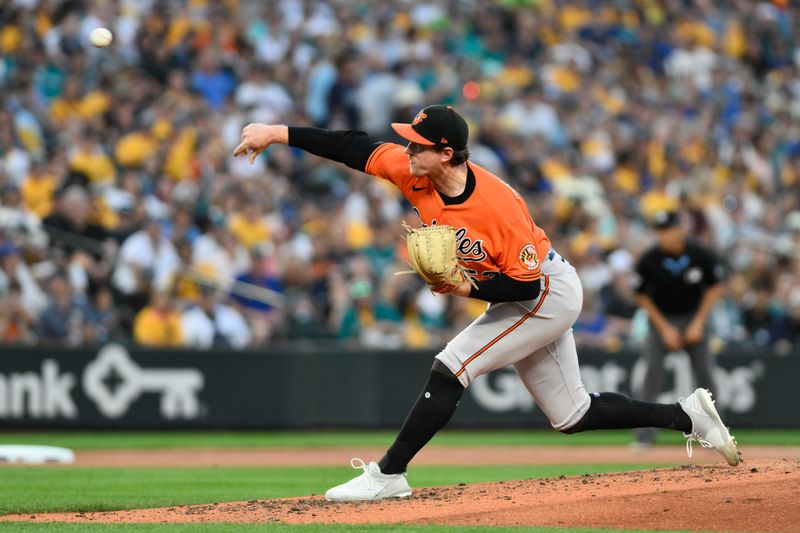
x,y
178,386
112,381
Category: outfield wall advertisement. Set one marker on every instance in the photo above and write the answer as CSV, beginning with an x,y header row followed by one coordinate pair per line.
x,y
116,386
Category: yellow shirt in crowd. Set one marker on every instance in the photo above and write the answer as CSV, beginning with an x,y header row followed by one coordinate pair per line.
x,y
90,106
37,193
655,201
97,166
249,233
133,149
153,327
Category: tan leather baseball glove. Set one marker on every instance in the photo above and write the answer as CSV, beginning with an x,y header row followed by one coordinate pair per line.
x,y
432,255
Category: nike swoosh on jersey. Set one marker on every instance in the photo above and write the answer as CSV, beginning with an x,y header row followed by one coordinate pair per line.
x,y
418,188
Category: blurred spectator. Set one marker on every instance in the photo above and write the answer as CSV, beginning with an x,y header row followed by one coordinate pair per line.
x,y
321,78
17,221
212,324
265,99
789,326
762,317
369,318
592,328
529,115
14,272
249,226
218,254
37,191
213,82
79,242
727,317
303,321
106,316
181,225
158,324
343,96
16,323
618,297
147,261
262,316
382,250
67,320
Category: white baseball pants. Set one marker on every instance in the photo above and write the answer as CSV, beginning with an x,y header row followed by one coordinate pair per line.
x,y
536,337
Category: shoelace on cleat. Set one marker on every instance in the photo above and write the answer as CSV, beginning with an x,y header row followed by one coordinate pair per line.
x,y
354,463
704,443
691,437
357,463
696,437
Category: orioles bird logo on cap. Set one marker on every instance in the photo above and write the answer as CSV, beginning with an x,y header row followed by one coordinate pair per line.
x,y
419,118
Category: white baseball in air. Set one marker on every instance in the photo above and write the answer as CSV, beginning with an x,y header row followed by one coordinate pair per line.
x,y
101,37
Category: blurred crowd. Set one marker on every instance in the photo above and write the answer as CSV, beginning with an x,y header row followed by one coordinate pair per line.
x,y
123,214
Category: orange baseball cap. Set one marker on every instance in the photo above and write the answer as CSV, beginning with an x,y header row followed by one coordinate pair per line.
x,y
436,125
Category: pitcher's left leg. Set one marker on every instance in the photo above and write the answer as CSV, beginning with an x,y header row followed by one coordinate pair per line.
x,y
552,376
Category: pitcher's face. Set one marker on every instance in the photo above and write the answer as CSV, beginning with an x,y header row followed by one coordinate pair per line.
x,y
425,160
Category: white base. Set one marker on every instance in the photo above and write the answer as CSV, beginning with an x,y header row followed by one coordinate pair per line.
x,y
35,455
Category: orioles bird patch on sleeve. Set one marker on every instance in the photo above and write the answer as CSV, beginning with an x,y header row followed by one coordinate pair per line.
x,y
529,257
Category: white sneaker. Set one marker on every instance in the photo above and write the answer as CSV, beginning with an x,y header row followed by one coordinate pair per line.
x,y
371,485
707,426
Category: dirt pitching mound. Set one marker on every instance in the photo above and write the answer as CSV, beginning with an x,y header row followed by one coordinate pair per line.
x,y
762,495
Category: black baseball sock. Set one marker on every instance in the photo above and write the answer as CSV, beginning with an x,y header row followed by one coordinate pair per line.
x,y
615,411
434,408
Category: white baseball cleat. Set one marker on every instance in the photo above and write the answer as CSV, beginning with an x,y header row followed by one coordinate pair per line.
x,y
707,426
371,485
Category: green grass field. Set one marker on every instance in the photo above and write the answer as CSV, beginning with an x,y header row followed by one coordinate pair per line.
x,y
36,489
221,439
103,489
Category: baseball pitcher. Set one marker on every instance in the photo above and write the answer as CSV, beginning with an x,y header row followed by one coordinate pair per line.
x,y
534,295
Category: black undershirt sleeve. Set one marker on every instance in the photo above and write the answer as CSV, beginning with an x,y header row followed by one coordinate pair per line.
x,y
352,148
504,288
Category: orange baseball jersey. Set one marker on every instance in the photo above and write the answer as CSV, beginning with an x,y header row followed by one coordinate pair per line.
x,y
495,231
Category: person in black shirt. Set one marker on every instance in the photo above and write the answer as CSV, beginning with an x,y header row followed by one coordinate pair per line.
x,y
677,283
76,239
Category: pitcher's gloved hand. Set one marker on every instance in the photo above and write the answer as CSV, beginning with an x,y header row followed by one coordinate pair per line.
x,y
432,255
